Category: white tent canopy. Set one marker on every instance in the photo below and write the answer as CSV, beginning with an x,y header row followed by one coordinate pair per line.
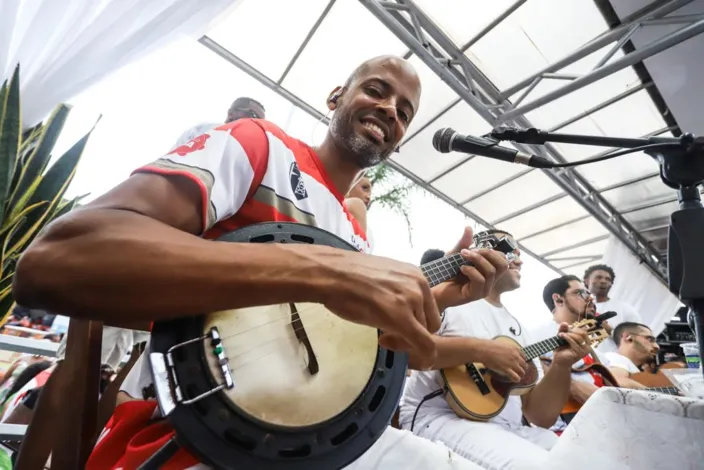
x,y
563,218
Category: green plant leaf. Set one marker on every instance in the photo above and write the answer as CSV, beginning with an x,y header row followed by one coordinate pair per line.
x,y
32,194
6,301
36,162
10,131
51,187
5,258
11,223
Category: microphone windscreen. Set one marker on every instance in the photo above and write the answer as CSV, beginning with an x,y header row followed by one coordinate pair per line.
x,y
442,140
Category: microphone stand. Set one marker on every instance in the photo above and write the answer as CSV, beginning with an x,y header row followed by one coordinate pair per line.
x,y
682,169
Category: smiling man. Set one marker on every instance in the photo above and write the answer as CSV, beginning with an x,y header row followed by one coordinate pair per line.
x,y
466,336
141,253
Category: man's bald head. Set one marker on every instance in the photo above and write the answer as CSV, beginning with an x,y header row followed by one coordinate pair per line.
x,y
374,109
381,61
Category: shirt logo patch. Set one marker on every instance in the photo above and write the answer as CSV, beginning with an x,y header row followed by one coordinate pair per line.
x,y
192,146
297,186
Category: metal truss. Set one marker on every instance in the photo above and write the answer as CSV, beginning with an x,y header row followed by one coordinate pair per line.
x,y
313,112
693,26
425,39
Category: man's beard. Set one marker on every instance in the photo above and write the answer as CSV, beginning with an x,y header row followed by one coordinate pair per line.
x,y
364,152
579,315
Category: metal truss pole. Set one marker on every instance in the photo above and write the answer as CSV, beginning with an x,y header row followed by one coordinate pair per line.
x,y
598,43
602,71
311,111
443,57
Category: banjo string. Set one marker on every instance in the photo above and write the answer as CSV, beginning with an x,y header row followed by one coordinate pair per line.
x,y
259,346
285,318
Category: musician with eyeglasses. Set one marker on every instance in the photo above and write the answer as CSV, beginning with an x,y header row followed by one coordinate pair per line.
x,y
637,346
569,302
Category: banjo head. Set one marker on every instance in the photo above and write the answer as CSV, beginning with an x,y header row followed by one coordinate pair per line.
x,y
286,401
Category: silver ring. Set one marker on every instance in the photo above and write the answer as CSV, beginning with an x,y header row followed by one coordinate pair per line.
x,y
583,343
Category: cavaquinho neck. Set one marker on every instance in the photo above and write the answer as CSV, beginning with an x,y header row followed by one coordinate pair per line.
x,y
543,347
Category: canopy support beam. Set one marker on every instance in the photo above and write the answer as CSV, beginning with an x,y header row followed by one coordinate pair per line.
x,y
444,58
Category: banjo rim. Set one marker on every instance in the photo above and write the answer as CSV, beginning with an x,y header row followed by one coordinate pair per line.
x,y
223,435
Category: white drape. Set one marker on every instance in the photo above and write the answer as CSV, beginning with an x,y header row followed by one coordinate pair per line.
x,y
65,46
637,286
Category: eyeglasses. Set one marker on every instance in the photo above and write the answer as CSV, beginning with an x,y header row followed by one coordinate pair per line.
x,y
584,294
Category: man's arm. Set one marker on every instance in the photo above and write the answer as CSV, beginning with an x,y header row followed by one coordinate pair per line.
x,y
133,255
543,404
455,351
580,391
624,378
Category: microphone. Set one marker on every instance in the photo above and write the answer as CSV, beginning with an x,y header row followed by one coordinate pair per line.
x,y
601,318
447,140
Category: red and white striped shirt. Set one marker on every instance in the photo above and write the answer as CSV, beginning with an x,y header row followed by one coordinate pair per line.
x,y
249,171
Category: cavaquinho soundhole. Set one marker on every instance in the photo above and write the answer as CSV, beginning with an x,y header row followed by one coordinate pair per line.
x,y
293,365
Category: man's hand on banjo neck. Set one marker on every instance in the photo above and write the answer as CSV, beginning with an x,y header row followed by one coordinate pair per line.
x,y
131,256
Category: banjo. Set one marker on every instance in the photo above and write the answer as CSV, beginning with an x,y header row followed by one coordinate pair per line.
x,y
289,386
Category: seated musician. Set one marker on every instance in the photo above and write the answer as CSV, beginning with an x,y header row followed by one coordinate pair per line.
x,y
637,346
466,336
569,302
139,253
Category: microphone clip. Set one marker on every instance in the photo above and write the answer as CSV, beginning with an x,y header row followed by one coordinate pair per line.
x,y
520,135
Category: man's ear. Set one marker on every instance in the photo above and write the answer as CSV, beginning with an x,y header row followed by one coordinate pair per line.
x,y
334,97
556,299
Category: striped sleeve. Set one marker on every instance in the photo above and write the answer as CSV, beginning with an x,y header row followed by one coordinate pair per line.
x,y
224,163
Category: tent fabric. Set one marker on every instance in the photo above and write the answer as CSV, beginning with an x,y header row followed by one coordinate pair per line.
x,y
64,47
652,299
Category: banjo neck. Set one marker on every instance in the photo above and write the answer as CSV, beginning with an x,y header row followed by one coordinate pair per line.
x,y
448,267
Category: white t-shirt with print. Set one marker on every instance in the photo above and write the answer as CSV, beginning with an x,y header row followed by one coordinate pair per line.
x,y
625,313
478,319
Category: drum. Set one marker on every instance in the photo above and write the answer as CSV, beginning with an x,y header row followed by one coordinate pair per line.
x,y
289,386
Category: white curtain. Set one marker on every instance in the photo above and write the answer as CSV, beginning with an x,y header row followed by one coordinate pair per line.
x,y
65,46
638,287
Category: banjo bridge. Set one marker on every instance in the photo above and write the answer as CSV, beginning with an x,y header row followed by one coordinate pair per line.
x,y
166,384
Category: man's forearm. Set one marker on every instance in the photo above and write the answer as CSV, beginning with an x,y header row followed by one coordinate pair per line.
x,y
116,265
581,391
545,402
454,351
625,382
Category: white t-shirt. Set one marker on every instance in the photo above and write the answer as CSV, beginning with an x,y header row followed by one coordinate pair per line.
x,y
477,319
625,313
614,359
